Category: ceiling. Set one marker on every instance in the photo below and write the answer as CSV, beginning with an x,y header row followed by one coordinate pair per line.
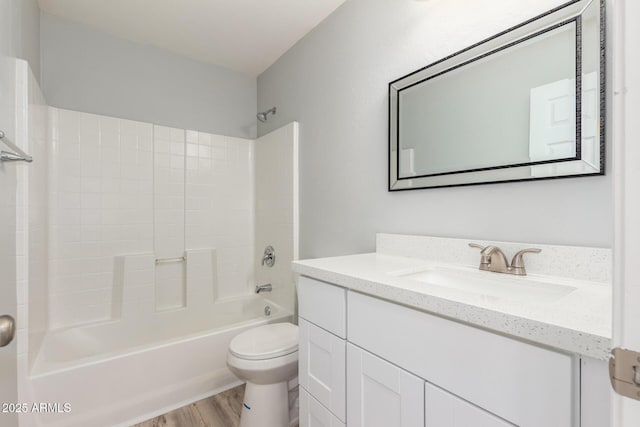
x,y
244,35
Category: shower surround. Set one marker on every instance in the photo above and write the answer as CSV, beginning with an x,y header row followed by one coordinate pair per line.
x,y
137,257
124,194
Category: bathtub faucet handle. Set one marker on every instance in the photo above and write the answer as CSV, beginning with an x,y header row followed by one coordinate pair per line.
x,y
269,256
264,288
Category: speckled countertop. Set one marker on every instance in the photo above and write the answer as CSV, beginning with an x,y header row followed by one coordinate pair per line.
x,y
579,322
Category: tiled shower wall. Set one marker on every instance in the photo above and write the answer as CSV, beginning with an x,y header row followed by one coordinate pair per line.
x,y
169,195
101,205
219,206
120,188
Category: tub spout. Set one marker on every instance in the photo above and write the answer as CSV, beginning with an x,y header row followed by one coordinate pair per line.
x,y
264,288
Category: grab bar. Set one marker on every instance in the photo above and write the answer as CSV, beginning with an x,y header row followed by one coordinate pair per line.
x,y
168,260
17,156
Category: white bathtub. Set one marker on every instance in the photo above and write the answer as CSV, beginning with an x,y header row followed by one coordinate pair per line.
x,y
122,372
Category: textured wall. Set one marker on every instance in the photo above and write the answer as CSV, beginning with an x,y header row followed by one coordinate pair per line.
x,y
334,82
91,71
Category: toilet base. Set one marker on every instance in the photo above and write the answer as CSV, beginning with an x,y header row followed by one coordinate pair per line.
x,y
265,405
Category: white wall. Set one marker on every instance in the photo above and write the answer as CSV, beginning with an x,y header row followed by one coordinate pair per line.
x,y
32,229
276,207
12,89
91,71
23,195
334,82
626,288
33,182
20,31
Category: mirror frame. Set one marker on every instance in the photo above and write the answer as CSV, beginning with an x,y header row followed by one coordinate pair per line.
x,y
562,15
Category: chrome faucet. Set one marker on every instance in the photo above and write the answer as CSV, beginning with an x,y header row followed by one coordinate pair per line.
x,y
269,256
493,259
264,288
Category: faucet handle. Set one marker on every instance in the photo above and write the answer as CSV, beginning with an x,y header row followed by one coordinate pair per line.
x,y
269,256
517,263
485,259
477,246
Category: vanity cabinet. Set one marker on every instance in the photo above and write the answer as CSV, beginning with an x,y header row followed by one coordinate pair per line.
x,y
443,409
314,414
368,362
322,366
380,394
322,353
527,385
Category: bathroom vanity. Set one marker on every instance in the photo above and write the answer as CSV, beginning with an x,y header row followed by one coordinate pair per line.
x,y
397,338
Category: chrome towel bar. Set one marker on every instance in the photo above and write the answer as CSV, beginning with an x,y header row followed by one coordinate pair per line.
x,y
17,156
168,260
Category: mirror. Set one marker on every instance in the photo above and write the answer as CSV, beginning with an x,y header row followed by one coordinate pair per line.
x,y
525,104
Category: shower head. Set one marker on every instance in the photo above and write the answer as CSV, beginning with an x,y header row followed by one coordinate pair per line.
x,y
263,116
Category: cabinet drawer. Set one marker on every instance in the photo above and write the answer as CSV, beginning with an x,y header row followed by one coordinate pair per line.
x,y
380,394
323,304
522,383
313,414
443,409
322,367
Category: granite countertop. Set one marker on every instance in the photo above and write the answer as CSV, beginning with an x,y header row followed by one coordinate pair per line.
x,y
579,322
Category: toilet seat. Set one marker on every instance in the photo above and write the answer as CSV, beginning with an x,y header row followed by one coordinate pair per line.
x,y
265,342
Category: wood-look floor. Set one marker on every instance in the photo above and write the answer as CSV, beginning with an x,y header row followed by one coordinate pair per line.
x,y
221,410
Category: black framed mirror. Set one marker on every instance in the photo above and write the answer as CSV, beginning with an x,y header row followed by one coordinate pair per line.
x,y
525,104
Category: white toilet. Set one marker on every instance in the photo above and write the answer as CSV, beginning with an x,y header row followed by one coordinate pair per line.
x,y
265,357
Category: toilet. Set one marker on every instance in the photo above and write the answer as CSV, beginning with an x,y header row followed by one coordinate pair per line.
x,y
266,358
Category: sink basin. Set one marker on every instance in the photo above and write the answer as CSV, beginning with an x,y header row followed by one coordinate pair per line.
x,y
491,284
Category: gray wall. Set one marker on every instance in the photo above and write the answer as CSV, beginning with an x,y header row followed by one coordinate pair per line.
x,y
20,31
334,82
95,72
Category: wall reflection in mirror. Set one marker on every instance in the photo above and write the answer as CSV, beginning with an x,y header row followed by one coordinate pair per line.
x,y
525,104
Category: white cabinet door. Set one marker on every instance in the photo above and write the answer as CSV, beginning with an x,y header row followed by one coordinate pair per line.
x,y
322,366
313,414
443,409
380,394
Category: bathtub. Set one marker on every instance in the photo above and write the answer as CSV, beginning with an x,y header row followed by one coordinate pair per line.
x,y
119,373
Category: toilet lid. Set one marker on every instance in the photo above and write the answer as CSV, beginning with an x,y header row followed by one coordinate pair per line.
x,y
265,342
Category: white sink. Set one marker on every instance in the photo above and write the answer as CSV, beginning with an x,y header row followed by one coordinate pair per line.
x,y
491,284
